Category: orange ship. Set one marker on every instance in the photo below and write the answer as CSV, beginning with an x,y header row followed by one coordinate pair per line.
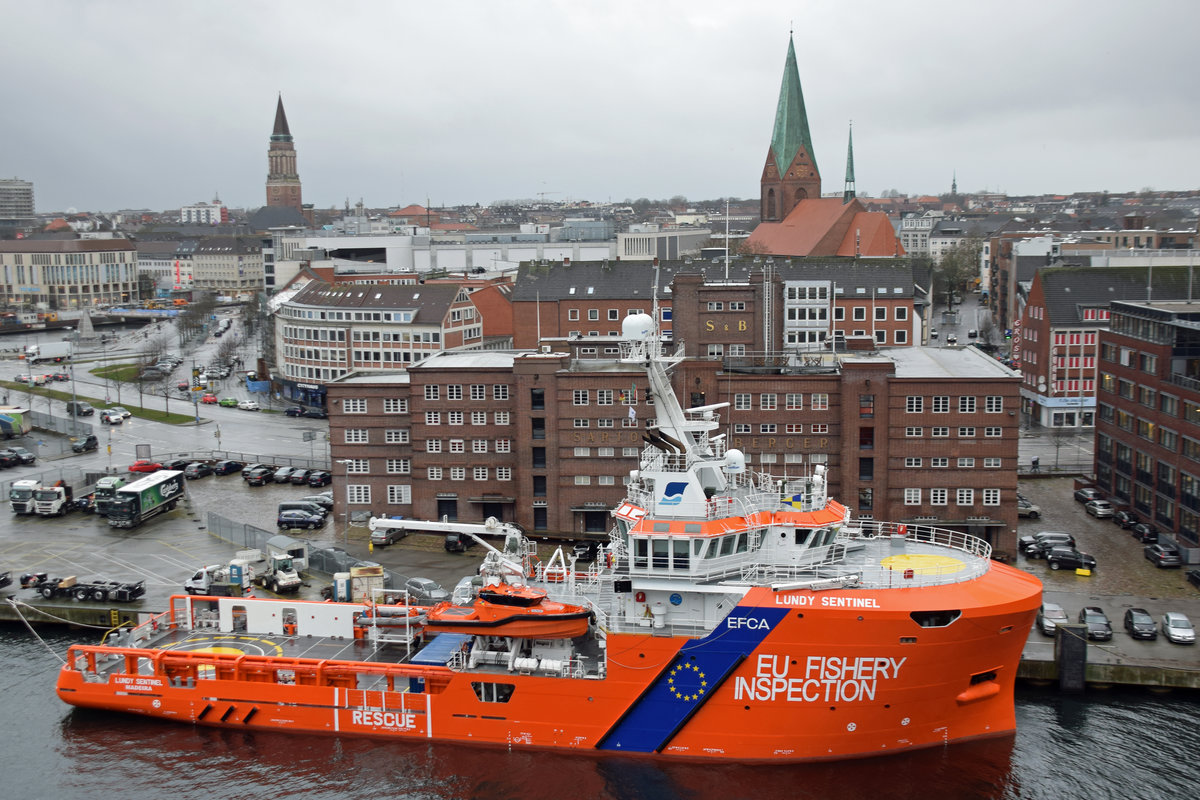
x,y
731,615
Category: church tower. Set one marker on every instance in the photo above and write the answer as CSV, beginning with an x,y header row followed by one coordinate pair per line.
x,y
790,174
848,192
283,182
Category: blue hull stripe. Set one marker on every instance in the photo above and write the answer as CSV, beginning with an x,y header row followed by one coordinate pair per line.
x,y
687,682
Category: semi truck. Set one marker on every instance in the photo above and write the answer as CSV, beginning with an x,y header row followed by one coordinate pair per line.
x,y
137,502
20,496
48,351
14,421
57,500
106,492
98,590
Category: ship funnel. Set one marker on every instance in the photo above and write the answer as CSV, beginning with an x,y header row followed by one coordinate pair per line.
x,y
735,461
637,326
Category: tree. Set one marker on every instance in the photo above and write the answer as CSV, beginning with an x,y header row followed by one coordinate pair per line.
x,y
959,267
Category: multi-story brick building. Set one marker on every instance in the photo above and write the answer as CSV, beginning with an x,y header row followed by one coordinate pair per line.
x,y
1148,421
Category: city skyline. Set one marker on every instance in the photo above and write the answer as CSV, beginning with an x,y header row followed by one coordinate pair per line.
x,y
478,103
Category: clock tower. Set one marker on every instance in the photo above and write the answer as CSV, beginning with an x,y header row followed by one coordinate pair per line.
x,y
283,182
790,174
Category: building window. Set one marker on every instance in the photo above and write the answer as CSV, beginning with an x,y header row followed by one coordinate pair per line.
x,y
965,497
583,452
819,427
504,445
399,466
767,427
458,473
991,497
479,418
432,392
579,397
793,427
741,427
354,405
454,418
457,446
820,401
478,391
395,405
901,336
966,433
356,435
860,313
941,404
966,463
913,431
583,480
500,391
991,463
479,445
881,313
501,418
396,436
358,494
939,462
912,462
358,466
937,497
767,402
993,404
914,404
433,445
912,497
741,402
398,495
966,405
434,473
454,392
793,401
433,418
939,432
480,473
604,397
504,473
993,432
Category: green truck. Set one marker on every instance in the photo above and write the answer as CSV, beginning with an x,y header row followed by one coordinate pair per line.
x,y
137,502
106,492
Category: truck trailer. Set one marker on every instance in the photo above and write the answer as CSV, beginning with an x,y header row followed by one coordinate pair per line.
x,y
137,502
48,351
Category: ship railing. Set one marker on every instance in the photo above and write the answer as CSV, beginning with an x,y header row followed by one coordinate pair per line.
x,y
943,537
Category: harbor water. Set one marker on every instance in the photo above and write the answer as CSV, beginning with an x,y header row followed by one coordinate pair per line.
x,y
1107,744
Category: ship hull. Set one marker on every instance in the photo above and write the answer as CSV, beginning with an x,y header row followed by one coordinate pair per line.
x,y
789,676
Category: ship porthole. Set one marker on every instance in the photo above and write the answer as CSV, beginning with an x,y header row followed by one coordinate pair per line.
x,y
746,708
851,726
799,615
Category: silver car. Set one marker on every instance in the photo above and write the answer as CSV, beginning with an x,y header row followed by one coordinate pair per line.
x,y
1178,628
1050,616
1100,509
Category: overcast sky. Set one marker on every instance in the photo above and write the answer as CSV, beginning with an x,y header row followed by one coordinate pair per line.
x,y
111,105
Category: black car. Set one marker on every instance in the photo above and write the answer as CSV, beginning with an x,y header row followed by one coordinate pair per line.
x,y
1139,624
323,500
300,476
316,413
1035,546
227,467
294,411
284,474
23,454
299,519
246,470
85,444
320,478
197,469
1098,626
1144,532
177,464
9,459
1126,519
1069,558
458,542
260,476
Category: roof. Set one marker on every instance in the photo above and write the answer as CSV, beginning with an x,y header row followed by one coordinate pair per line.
x,y
64,245
633,280
791,121
269,217
434,300
1069,290
827,226
964,362
467,359
280,132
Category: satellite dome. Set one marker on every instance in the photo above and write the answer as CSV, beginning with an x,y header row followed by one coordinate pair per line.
x,y
735,461
637,326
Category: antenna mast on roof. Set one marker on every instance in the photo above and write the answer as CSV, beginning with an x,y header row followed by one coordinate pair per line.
x,y
727,240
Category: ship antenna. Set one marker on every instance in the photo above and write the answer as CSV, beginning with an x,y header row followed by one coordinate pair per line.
x,y
727,240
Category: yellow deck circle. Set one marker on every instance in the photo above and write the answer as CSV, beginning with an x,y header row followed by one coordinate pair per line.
x,y
923,564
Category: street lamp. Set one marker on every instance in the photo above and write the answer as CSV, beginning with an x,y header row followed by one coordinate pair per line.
x,y
347,462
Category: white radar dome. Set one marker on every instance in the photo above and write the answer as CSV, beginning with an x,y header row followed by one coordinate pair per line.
x,y
637,326
735,461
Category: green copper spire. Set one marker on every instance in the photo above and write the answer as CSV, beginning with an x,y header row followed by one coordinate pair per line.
x,y
848,193
791,121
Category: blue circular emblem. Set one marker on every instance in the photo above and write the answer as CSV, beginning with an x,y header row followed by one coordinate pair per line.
x,y
676,599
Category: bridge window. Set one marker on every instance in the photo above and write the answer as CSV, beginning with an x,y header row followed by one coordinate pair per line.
x,y
493,692
727,543
680,555
659,548
640,549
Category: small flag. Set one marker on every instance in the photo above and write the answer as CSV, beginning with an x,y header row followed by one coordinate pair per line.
x,y
632,413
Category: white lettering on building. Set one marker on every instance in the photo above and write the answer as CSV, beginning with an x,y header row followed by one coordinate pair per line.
x,y
818,679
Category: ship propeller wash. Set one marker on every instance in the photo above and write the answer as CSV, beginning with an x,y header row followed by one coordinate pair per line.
x,y
731,615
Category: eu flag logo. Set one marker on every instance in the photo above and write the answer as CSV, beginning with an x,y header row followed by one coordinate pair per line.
x,y
687,682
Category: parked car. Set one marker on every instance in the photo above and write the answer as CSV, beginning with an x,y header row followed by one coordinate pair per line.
x,y
197,469
1139,624
300,476
283,474
1125,518
183,386
933,333
303,505
248,405
246,470
1162,555
145,465
1084,495
9,459
382,537
458,542
1098,627
1144,532
323,500
972,334
23,454
1178,628
1193,577
1069,558
1028,509
299,519
80,409
1100,509
294,411
177,464
110,417
320,478
1035,545
227,467
316,413
425,591
209,399
951,338
228,402
1049,617
85,444
259,476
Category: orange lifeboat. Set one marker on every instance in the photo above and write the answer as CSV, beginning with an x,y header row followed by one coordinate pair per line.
x,y
514,611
